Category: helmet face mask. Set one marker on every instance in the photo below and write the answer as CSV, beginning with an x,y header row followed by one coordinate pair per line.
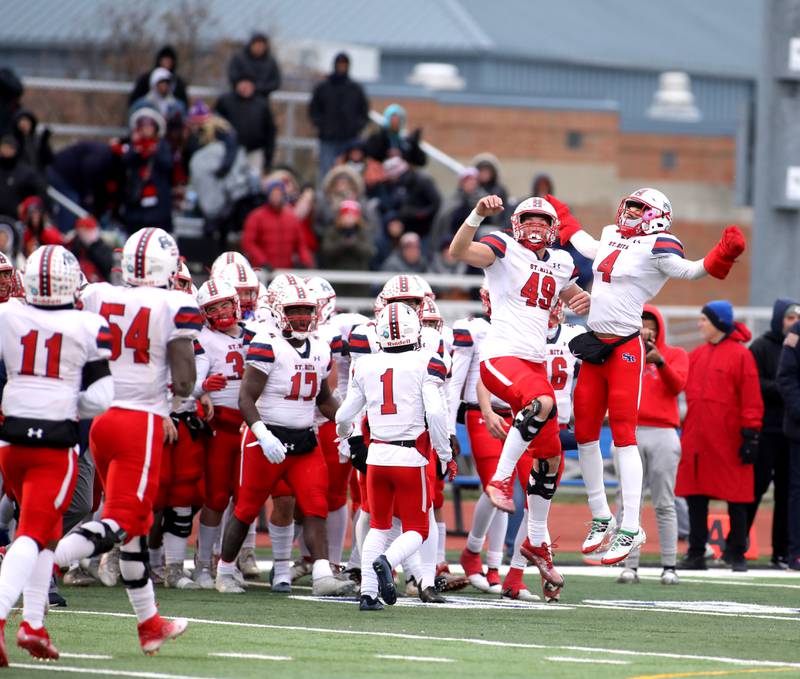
x,y
219,304
644,212
485,299
301,319
296,311
183,279
535,223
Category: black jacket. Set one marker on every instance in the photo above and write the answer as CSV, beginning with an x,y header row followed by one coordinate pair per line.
x,y
18,180
767,352
142,86
92,170
789,382
379,144
263,71
338,108
252,120
413,199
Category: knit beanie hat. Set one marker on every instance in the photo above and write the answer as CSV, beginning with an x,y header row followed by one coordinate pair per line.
x,y
720,313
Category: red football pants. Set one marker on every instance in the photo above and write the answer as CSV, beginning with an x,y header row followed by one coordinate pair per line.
x,y
221,467
338,473
399,491
181,473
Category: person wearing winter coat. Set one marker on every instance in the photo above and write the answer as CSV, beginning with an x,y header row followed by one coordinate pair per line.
x,y
36,226
772,465
347,245
488,167
18,180
342,183
34,140
410,196
11,90
167,58
257,62
161,97
720,432
94,255
392,139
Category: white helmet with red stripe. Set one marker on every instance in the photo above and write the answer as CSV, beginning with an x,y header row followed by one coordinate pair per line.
x,y
644,212
18,285
404,288
398,326
277,285
543,230
183,279
431,316
52,277
211,298
296,310
229,257
149,259
6,278
244,279
325,296
425,286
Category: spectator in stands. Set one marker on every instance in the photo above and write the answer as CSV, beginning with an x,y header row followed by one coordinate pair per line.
x,y
348,244
9,237
251,116
205,127
18,180
392,139
273,237
167,58
663,380
789,385
488,167
355,156
34,141
720,433
542,185
256,61
773,446
443,262
343,182
407,258
11,90
37,229
339,110
410,195
302,200
161,97
93,254
147,162
458,206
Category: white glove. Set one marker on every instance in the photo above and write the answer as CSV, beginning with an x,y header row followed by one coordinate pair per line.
x,y
344,430
344,451
443,462
271,445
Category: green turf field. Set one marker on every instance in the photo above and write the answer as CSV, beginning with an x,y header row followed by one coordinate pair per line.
x,y
726,626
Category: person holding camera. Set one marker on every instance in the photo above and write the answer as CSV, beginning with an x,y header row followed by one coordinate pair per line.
x,y
720,433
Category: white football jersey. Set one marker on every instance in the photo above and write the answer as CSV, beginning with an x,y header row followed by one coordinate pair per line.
x,y
523,288
330,334
391,384
142,322
625,277
561,368
294,378
224,355
431,340
447,336
44,353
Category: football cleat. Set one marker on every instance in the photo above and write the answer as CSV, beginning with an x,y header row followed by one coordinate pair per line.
x,y
301,568
411,586
369,603
452,582
282,587
176,578
628,576
551,593
157,573
354,574
501,494
622,544
108,570
669,577
3,654
329,585
542,558
493,578
383,569
227,584
248,565
36,642
599,530
473,569
514,587
76,576
202,576
429,595
154,631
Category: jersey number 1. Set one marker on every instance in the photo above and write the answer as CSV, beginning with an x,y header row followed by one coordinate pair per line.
x,y
536,295
53,347
388,407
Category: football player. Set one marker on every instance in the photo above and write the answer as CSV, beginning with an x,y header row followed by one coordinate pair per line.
x,y
244,279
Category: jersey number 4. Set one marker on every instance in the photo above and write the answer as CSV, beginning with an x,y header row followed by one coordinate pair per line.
x,y
137,337
539,291
607,265
53,348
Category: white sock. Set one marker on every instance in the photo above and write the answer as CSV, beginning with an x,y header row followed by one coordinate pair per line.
x,y
34,594
374,543
362,528
336,528
482,518
250,538
496,539
281,538
591,462
143,599
18,565
355,554
441,527
74,547
517,560
429,553
321,569
406,544
512,451
226,567
206,538
174,548
157,556
538,511
630,478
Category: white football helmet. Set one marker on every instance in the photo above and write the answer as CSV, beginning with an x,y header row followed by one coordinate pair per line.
x,y
244,279
655,217
325,296
485,298
18,285
277,285
6,278
537,235
425,286
398,326
431,316
379,304
52,277
210,294
406,289
229,257
183,279
296,310
149,259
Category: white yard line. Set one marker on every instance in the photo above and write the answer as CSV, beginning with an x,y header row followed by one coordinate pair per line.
x,y
413,658
84,656
588,661
456,640
250,656
654,609
104,671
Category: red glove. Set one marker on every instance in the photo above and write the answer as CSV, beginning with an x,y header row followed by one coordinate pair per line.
x,y
452,470
569,225
214,382
720,259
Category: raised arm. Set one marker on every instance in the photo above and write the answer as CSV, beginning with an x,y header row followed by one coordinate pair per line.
x,y
462,247
570,230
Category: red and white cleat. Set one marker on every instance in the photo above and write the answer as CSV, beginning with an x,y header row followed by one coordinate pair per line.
x,y
542,558
3,654
155,631
514,588
493,578
501,494
36,642
551,593
473,569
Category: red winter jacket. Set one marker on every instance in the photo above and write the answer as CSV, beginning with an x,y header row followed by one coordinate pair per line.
x,y
723,397
275,239
658,406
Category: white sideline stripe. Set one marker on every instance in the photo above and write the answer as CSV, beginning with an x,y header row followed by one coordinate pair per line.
x,y
62,492
414,658
476,642
85,656
148,455
592,661
250,656
652,609
500,376
104,672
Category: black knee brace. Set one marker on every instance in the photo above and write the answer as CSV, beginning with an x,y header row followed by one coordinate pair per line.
x,y
105,542
541,482
177,524
525,422
142,556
